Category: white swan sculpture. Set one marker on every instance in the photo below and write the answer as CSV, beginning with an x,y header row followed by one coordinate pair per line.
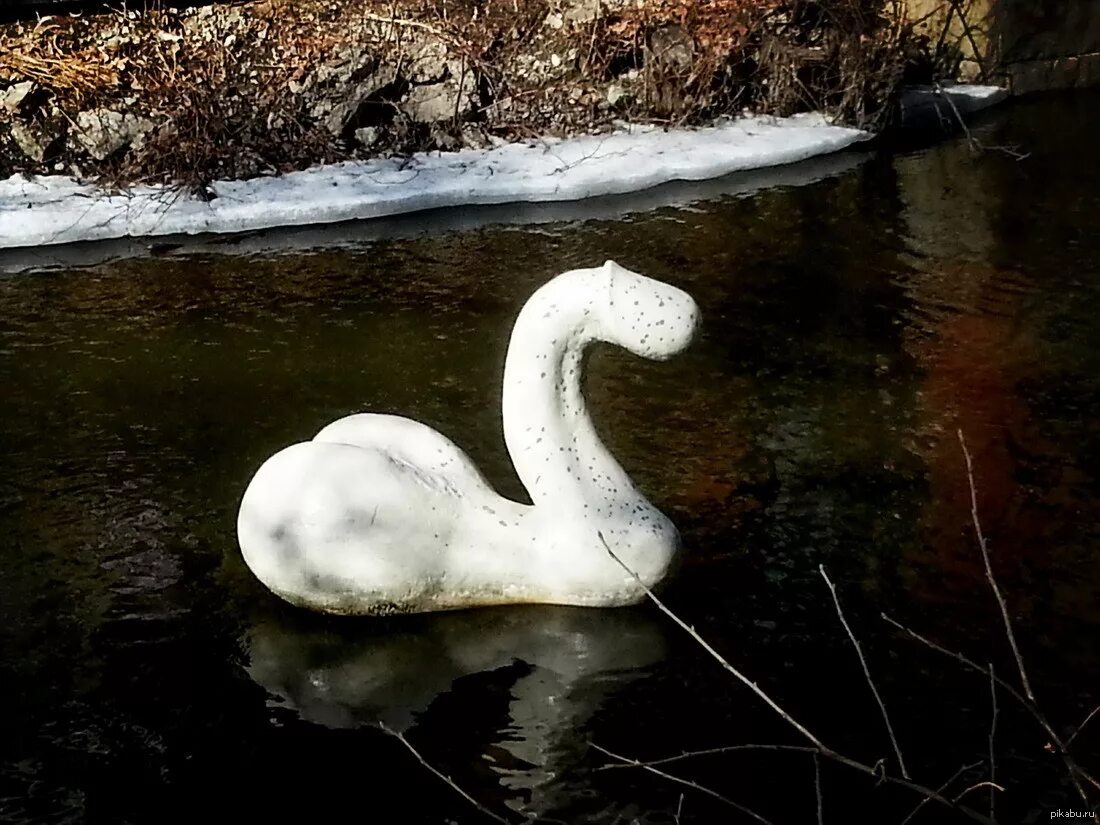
x,y
379,514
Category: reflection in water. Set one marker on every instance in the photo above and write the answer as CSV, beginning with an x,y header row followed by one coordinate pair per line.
x,y
966,335
565,663
978,330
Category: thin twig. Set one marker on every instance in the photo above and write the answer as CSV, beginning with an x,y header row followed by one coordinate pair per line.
x,y
666,760
412,24
971,664
993,786
681,781
1055,740
866,672
942,788
984,546
992,734
978,57
817,790
873,771
401,738
1081,727
751,685
1078,770
975,144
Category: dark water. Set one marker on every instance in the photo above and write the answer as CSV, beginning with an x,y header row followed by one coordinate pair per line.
x,y
851,326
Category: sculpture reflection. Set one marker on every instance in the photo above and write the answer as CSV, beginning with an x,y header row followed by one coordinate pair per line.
x,y
562,664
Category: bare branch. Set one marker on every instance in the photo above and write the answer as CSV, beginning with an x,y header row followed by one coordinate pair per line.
x,y
667,760
941,789
975,144
751,685
401,738
686,782
1081,727
817,790
874,771
866,672
1079,771
984,546
1056,741
993,786
992,734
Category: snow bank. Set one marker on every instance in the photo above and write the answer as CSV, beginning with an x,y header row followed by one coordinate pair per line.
x,y
359,235
56,210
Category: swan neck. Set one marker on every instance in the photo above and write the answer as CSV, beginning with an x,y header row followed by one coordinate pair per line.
x,y
550,437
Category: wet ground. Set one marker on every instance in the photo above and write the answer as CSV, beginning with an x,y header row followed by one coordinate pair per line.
x,y
851,325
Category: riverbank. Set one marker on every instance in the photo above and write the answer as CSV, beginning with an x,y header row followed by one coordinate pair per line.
x,y
55,209
50,210
245,117
186,97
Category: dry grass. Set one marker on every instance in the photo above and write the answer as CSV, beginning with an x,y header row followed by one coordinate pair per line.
x,y
232,89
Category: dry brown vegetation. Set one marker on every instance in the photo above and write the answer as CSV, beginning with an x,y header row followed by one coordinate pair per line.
x,y
268,86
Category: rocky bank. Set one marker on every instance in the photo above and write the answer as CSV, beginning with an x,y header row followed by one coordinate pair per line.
x,y
263,87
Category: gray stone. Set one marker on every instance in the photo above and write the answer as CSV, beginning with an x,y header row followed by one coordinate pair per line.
x,y
444,140
12,98
36,140
615,93
582,11
336,109
367,136
426,61
102,132
672,47
438,85
474,137
432,102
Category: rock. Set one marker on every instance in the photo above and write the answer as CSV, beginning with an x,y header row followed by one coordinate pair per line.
x,y
444,140
427,61
37,140
615,93
432,102
352,62
438,87
337,109
13,97
473,137
582,11
367,136
672,47
669,56
102,132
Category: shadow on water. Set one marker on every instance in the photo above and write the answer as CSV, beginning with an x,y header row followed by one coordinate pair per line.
x,y
851,325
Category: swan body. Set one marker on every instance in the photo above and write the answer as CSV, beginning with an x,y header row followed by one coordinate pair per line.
x,y
379,514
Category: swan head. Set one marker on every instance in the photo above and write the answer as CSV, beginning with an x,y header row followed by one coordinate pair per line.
x,y
648,317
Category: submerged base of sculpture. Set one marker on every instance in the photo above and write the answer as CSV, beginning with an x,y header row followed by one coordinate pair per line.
x,y
380,514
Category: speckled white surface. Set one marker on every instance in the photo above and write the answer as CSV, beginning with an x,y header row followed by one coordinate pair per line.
x,y
380,514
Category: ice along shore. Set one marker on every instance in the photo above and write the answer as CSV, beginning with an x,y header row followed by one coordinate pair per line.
x,y
56,209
